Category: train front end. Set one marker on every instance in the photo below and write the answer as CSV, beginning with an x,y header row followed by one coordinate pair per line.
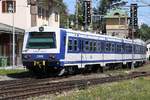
x,y
41,49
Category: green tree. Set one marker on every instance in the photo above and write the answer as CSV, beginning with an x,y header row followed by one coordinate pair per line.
x,y
72,21
80,14
105,5
63,16
144,32
77,16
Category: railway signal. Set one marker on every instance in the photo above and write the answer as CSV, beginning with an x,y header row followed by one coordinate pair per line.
x,y
86,13
133,16
134,27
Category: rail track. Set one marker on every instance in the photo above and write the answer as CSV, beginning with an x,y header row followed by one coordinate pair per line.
x,y
27,89
9,84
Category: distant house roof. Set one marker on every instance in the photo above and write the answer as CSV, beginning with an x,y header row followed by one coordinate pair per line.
x,y
114,13
8,29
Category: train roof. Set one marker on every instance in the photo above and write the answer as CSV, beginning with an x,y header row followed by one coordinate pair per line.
x,y
136,41
46,28
113,38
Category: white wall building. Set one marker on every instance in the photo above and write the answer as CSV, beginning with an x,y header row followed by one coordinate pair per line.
x,y
24,12
27,13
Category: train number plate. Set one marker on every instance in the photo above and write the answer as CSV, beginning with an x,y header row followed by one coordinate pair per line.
x,y
39,56
39,63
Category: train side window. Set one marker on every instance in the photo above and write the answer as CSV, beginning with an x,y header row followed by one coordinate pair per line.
x,y
70,45
103,45
126,48
81,45
135,49
122,48
108,47
99,46
75,45
91,46
139,49
94,45
86,45
142,51
130,48
119,47
113,47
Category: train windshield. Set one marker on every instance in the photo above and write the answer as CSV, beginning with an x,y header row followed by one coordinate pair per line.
x,y
41,40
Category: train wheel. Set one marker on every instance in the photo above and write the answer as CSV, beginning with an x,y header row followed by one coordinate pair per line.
x,y
129,65
70,70
124,66
101,69
95,68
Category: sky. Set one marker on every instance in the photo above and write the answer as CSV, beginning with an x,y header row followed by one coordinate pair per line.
x,y
143,12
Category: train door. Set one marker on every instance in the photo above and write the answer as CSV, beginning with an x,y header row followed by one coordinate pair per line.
x,y
81,44
86,56
74,51
102,52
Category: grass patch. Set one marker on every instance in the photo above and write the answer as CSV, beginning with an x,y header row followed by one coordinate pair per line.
x,y
137,89
11,71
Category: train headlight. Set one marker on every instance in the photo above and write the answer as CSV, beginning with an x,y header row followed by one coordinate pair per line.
x,y
41,29
26,56
29,56
52,57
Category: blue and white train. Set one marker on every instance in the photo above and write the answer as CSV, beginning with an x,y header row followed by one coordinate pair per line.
x,y
64,50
